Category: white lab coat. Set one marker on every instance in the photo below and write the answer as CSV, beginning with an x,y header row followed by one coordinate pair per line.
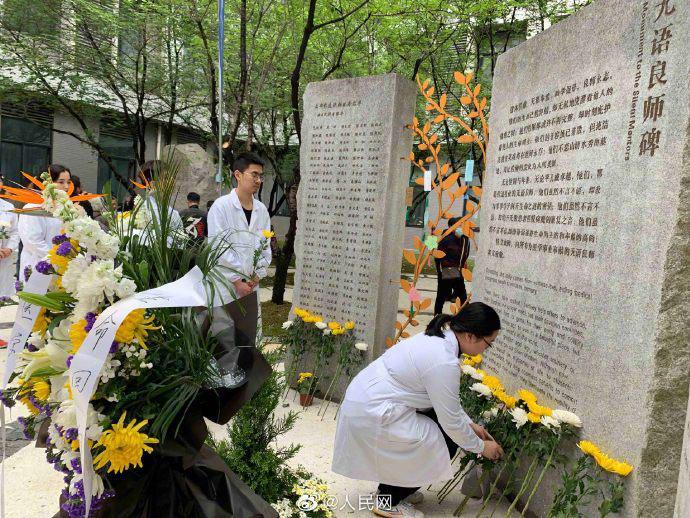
x,y
36,233
228,228
7,268
380,436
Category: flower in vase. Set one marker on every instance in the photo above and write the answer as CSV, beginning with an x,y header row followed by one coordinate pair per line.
x,y
287,324
563,416
123,446
361,346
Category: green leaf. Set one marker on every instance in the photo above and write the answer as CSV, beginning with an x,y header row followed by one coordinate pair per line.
x,y
41,300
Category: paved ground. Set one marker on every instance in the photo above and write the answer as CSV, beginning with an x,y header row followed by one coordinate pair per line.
x,y
32,486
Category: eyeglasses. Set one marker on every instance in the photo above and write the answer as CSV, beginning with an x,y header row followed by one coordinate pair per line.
x,y
488,344
256,176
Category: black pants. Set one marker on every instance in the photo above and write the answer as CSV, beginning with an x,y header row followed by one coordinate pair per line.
x,y
398,494
449,290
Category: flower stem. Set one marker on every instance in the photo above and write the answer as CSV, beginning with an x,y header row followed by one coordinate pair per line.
x,y
335,379
450,485
462,505
523,487
539,480
493,487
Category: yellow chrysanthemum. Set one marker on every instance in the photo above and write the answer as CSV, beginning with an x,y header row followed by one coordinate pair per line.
x,y
268,234
60,262
29,405
304,376
349,325
493,383
68,386
77,334
607,463
41,323
508,401
526,396
301,313
135,326
533,418
338,331
333,326
472,361
124,446
539,409
41,390
75,444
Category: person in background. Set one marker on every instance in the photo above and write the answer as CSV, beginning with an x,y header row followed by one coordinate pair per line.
x,y
209,203
9,244
194,219
88,208
451,284
401,420
37,232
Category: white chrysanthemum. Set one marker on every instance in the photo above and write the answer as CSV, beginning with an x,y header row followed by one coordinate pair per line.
x,y
321,325
98,282
91,236
467,369
57,440
477,375
490,413
36,340
482,389
97,486
327,332
563,416
362,346
287,324
519,416
109,369
549,422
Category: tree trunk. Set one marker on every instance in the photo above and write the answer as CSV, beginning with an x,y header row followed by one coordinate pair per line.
x,y
288,250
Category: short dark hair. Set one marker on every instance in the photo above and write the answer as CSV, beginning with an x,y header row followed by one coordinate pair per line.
x,y
244,160
209,203
193,196
55,170
453,221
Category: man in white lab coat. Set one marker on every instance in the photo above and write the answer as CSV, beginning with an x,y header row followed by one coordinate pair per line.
x,y
235,225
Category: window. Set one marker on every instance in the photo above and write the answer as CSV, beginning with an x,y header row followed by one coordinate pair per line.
x,y
25,141
415,213
122,155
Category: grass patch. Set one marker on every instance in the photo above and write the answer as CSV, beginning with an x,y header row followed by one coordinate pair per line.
x,y
268,282
272,318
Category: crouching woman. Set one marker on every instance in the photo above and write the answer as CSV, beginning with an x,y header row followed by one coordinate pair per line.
x,y
402,420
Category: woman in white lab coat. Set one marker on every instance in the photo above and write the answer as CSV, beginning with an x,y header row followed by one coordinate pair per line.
x,y
401,420
37,232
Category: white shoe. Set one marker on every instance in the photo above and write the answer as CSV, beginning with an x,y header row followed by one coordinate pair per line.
x,y
402,510
415,498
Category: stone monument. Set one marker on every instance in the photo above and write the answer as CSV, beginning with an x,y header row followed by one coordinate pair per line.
x,y
585,243
197,173
352,201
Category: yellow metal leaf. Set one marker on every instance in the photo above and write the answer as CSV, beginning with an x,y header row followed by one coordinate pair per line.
x,y
477,89
419,181
469,76
444,168
424,304
467,275
477,190
425,84
448,182
466,138
459,78
418,242
389,342
411,157
439,118
409,255
442,101
438,254
431,91
433,138
404,334
465,100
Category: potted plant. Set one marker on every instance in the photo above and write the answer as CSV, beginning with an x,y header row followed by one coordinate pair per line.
x,y
306,386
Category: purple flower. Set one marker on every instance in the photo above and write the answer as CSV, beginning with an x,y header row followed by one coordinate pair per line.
x,y
60,239
71,434
64,248
27,427
5,399
68,362
44,267
27,273
18,285
90,321
31,348
76,466
114,347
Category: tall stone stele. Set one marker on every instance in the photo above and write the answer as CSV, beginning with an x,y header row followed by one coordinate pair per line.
x,y
585,243
352,201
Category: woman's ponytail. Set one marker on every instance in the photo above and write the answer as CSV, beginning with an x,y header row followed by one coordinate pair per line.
x,y
476,318
435,327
